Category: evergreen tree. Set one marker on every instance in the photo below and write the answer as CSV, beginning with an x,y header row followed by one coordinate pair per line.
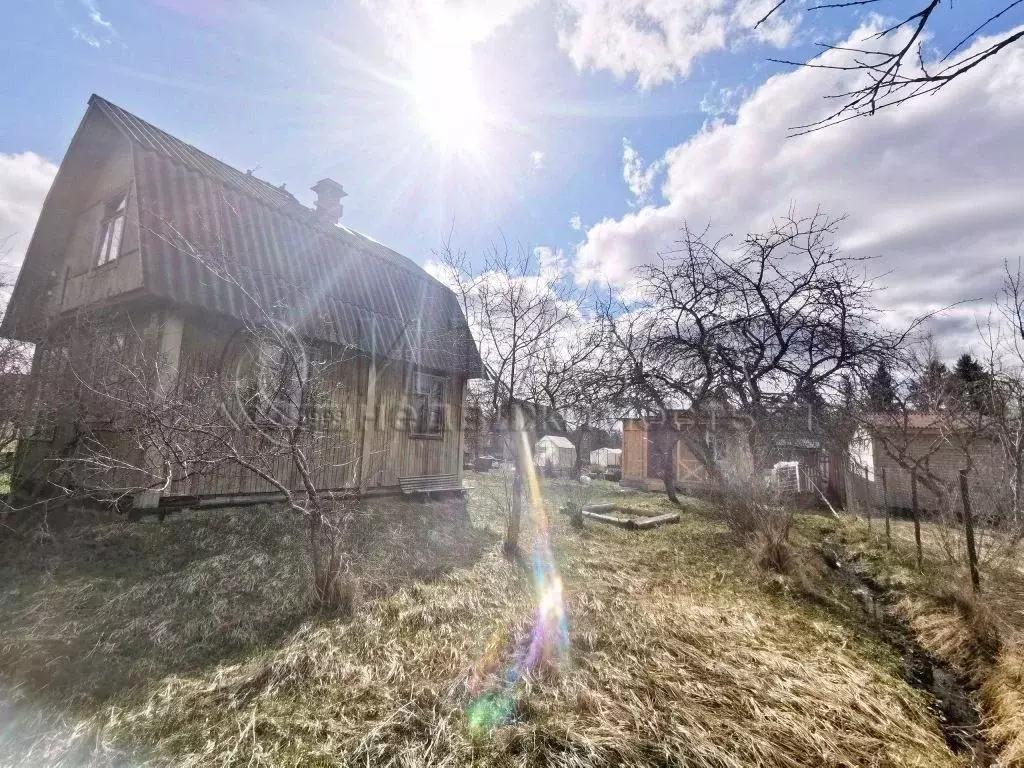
x,y
881,390
971,382
930,392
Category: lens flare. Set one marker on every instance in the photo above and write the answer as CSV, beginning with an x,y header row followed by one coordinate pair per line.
x,y
549,636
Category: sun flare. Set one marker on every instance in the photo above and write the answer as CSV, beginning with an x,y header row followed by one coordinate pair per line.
x,y
444,88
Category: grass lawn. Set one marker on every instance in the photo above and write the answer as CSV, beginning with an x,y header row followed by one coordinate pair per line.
x,y
191,642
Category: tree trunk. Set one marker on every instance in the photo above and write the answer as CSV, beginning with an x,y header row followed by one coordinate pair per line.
x,y
668,439
334,585
972,552
579,444
885,506
511,547
917,518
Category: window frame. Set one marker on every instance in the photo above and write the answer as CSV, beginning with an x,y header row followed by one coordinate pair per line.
x,y
421,414
115,210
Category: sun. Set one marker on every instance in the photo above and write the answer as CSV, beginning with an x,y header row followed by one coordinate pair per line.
x,y
445,92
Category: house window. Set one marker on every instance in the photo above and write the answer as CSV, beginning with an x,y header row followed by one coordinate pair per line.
x,y
428,405
112,229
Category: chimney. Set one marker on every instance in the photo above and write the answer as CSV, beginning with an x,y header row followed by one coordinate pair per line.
x,y
328,200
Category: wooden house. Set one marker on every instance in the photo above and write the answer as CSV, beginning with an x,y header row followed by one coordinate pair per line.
x,y
936,445
820,472
134,227
642,458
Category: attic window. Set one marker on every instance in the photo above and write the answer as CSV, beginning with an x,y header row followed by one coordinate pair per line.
x,y
112,229
428,405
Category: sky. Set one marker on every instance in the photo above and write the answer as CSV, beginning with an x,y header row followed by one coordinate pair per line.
x,y
593,128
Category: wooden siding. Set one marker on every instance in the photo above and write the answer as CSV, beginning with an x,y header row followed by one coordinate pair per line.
x,y
393,451
945,462
81,280
638,469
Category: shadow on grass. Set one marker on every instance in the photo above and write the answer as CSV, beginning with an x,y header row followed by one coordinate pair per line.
x,y
94,611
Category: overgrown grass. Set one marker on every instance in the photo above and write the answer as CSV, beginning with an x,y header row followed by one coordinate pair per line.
x,y
980,636
190,642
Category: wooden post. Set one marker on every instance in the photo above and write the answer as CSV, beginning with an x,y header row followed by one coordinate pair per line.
x,y
868,495
917,518
885,506
461,448
369,424
972,552
169,331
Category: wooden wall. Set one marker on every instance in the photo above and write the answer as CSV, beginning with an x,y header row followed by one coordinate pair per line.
x,y
83,282
339,463
347,422
394,451
637,468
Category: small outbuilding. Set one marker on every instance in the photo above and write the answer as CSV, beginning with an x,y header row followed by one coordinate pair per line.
x,y
555,453
606,457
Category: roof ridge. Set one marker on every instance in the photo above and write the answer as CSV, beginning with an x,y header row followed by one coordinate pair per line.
x,y
289,205
108,105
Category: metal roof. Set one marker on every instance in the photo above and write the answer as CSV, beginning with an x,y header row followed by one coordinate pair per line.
x,y
220,239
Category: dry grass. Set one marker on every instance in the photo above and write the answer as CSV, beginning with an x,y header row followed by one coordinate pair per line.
x,y
981,637
191,643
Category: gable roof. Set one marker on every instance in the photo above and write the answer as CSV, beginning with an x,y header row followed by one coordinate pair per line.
x,y
557,441
911,421
201,221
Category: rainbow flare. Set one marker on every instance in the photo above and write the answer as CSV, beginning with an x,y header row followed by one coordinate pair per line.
x,y
549,638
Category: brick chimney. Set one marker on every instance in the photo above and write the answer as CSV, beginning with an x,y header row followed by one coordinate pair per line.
x,y
328,200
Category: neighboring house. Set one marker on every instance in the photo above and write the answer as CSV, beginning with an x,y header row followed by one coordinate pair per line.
x,y
555,453
642,461
895,443
130,214
606,457
818,472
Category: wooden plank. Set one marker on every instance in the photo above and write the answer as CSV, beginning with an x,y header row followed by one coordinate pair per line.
x,y
654,522
621,522
632,524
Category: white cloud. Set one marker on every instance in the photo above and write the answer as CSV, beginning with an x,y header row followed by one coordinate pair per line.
x,y
658,40
932,187
24,181
576,223
99,31
638,178
537,159
472,22
551,262
721,103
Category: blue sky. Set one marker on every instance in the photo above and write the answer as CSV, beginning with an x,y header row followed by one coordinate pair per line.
x,y
310,89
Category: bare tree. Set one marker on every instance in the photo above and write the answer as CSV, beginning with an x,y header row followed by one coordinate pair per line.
x,y
15,362
893,63
784,320
569,380
522,313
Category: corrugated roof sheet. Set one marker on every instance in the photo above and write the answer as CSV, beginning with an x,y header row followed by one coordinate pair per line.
x,y
223,240
900,421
